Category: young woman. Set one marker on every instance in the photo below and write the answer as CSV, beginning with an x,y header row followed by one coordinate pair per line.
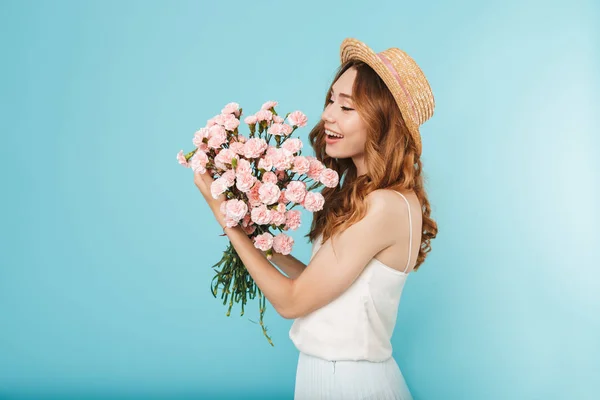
x,y
374,229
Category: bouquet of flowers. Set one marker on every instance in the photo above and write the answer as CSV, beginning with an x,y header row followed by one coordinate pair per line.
x,y
262,183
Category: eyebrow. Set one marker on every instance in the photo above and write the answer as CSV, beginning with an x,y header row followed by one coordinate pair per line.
x,y
343,95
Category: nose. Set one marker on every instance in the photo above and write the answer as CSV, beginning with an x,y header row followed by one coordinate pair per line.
x,y
327,115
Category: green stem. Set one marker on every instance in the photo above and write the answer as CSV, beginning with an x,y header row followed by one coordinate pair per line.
x,y
238,285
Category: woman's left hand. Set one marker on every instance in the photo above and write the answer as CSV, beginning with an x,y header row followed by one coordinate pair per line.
x,y
203,182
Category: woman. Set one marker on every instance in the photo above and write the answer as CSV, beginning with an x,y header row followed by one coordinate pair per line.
x,y
344,303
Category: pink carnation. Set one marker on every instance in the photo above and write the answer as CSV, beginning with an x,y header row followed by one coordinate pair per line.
x,y
282,159
263,241
271,151
229,177
200,134
198,161
217,136
282,198
314,171
247,224
220,119
246,220
231,108
250,120
236,209
277,218
261,215
278,119
297,118
275,129
329,177
295,191
268,105
313,201
203,147
225,156
183,161
293,145
293,220
243,167
269,177
231,122
218,187
253,197
268,193
245,182
286,129
283,244
264,115
265,163
255,147
237,147
229,222
301,165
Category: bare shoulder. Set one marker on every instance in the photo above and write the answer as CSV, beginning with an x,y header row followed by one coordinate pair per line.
x,y
388,207
397,255
392,202
382,204
396,208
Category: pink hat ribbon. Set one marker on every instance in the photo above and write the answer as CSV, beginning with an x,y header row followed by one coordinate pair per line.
x,y
395,74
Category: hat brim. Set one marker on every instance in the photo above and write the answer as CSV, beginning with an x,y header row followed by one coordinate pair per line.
x,y
354,49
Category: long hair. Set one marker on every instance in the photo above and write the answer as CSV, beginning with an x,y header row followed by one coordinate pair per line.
x,y
390,156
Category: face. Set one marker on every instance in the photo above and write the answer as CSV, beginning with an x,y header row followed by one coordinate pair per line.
x,y
341,117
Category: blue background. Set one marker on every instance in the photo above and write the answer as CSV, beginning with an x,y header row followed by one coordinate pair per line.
x,y
107,244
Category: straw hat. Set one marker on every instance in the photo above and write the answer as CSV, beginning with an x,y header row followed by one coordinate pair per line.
x,y
402,76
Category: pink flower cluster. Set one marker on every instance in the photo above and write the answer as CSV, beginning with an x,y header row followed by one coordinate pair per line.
x,y
259,179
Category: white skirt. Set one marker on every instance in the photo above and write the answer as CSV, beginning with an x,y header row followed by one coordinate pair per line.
x,y
317,378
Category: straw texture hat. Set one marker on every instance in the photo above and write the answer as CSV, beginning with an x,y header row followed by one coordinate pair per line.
x,y
402,76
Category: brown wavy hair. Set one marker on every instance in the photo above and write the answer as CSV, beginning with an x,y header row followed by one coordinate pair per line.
x,y
390,156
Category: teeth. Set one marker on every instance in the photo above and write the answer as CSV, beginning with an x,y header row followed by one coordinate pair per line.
x,y
332,134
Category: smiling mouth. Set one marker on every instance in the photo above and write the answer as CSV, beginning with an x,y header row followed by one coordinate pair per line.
x,y
333,134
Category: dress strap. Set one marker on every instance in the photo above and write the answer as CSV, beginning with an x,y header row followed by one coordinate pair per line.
x,y
409,232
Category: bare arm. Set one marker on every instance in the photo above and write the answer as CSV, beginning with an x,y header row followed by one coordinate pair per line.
x,y
289,264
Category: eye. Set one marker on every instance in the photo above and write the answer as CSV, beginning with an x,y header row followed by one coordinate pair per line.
x,y
342,107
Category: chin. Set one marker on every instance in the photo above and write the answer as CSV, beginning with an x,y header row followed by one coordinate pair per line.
x,y
335,153
330,153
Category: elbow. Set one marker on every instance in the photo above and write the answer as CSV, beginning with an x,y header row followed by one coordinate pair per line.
x,y
294,312
287,316
292,309
288,313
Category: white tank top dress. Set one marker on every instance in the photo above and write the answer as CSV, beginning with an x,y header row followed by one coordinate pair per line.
x,y
345,346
